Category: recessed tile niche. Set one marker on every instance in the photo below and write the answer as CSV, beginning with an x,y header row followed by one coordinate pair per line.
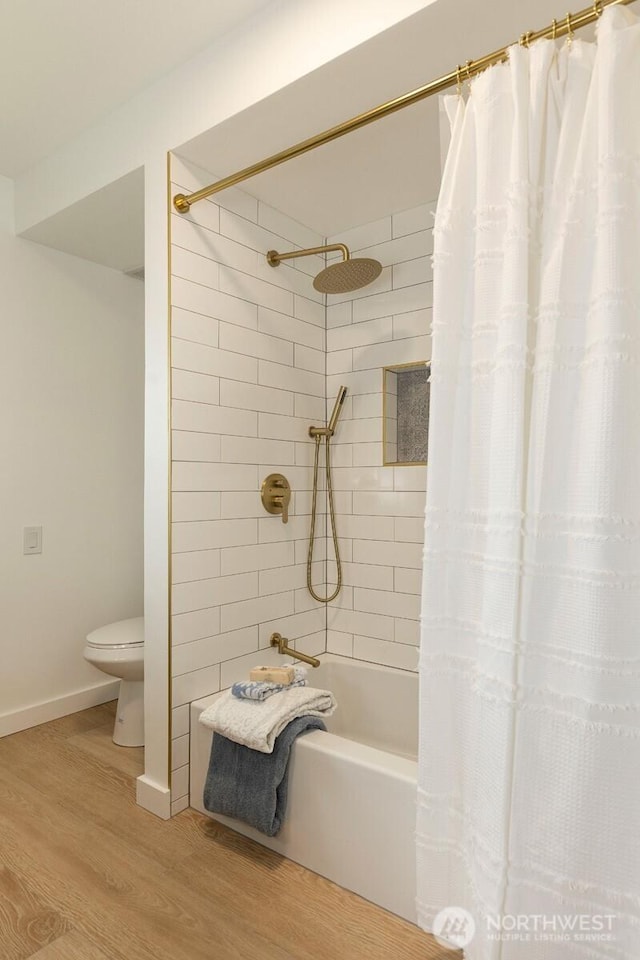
x,y
405,414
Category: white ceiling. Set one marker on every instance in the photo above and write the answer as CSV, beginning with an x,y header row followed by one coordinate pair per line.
x,y
107,226
392,164
67,63
388,166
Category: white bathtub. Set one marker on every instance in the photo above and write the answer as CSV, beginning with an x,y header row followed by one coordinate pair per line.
x,y
352,790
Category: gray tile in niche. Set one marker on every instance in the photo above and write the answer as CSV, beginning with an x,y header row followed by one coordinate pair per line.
x,y
413,414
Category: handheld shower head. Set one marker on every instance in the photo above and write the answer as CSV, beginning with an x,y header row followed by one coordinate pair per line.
x,y
330,428
337,410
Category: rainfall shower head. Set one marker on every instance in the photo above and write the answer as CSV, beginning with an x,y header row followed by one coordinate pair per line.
x,y
347,275
342,277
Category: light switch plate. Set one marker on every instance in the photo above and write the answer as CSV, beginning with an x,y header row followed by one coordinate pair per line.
x,y
32,540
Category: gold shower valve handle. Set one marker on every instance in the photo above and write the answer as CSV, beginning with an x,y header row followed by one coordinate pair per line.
x,y
283,503
276,494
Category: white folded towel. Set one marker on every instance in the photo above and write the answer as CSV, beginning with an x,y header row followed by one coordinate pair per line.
x,y
257,723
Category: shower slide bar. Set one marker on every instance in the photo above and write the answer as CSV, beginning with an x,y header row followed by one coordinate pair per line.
x,y
557,28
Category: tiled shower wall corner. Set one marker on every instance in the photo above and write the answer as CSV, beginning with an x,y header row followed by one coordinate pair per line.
x,y
248,378
380,509
251,367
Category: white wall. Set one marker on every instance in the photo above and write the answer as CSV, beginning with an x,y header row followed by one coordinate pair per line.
x,y
248,379
284,42
153,791
380,508
71,415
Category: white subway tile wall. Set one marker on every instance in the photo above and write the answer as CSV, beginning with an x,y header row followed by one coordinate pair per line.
x,y
256,358
248,378
381,529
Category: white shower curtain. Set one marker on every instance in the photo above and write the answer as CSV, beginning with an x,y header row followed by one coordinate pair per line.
x,y
529,769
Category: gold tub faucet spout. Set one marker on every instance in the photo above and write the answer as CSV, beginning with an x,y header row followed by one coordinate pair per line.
x,y
277,640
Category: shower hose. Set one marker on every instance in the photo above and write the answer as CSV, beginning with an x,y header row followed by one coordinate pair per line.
x,y
312,534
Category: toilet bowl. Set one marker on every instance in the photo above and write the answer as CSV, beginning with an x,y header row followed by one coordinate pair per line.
x,y
118,649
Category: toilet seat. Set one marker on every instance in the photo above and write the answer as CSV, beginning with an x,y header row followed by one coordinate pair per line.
x,y
122,635
113,646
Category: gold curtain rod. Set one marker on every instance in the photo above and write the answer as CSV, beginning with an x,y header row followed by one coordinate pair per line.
x,y
571,22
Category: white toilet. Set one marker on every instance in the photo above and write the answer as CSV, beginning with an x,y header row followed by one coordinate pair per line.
x,y
118,649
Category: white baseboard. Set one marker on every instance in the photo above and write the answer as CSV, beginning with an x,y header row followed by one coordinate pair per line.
x,y
60,707
153,797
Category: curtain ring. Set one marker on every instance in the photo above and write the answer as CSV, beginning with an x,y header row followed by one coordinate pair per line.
x,y
459,80
554,29
597,7
468,66
569,29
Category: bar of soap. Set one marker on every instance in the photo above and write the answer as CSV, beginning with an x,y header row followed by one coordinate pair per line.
x,y
284,675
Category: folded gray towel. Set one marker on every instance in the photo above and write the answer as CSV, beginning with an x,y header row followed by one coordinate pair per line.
x,y
250,785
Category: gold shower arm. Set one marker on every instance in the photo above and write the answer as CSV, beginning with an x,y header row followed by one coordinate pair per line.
x,y
558,28
274,258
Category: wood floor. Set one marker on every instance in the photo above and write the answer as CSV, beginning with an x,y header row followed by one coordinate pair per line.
x,y
85,874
